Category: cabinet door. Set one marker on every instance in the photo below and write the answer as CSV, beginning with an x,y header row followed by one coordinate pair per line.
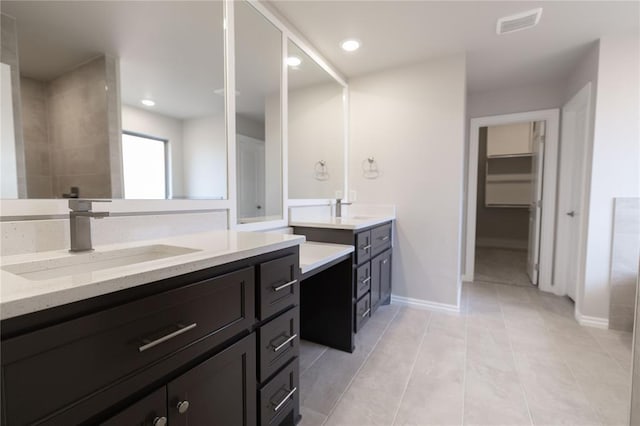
x,y
149,411
220,391
380,279
385,276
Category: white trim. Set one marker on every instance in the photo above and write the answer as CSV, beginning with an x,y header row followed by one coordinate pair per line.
x,y
230,104
595,322
552,119
425,304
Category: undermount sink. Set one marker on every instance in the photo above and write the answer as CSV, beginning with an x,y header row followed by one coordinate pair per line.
x,y
93,261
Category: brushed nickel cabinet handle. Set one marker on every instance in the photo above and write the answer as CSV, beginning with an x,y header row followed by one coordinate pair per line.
x,y
366,312
385,261
285,343
284,400
385,238
181,329
182,406
160,421
365,248
285,285
366,280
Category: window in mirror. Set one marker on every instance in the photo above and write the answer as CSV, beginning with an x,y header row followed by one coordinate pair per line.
x,y
144,164
258,63
316,128
82,73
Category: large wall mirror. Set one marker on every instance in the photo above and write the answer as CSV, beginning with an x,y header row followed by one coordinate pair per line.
x,y
258,65
115,99
316,138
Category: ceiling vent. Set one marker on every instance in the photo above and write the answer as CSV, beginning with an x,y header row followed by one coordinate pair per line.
x,y
519,21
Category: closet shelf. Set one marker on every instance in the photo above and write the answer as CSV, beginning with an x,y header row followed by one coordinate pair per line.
x,y
523,155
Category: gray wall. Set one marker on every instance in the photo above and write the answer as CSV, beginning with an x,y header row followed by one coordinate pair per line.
x,y
411,120
36,138
635,375
497,227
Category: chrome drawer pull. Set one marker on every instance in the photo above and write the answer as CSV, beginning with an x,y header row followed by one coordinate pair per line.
x,y
283,344
285,285
366,280
182,329
385,238
366,312
289,395
385,261
365,248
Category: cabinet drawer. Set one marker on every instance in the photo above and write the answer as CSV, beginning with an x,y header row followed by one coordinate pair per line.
x,y
280,396
363,280
91,352
363,246
278,342
363,311
149,411
380,239
279,287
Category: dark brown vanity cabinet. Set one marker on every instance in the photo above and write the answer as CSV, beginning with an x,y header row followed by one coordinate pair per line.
x,y
188,350
372,264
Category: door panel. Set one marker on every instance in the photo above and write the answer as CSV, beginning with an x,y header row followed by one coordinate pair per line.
x,y
220,391
535,208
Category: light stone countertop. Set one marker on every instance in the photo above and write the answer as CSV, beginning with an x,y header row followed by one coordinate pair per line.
x,y
20,295
313,254
353,222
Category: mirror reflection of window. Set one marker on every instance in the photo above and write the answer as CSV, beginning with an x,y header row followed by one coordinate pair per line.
x,y
144,164
258,57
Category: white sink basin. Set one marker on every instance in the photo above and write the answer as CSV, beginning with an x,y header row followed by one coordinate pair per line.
x,y
93,261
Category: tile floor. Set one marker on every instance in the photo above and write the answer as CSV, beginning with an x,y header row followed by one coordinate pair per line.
x,y
514,356
501,266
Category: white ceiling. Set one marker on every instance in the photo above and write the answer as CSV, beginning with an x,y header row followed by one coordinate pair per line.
x,y
395,33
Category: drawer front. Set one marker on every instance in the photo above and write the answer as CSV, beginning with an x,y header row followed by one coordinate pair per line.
x,y
279,287
96,350
363,280
280,396
363,311
363,246
380,239
149,411
278,342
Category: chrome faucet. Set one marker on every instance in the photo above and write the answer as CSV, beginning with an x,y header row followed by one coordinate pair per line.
x,y
80,223
339,205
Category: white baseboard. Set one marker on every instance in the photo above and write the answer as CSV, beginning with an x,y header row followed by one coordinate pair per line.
x,y
595,322
424,304
502,243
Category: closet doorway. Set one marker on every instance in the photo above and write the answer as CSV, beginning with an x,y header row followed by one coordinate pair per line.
x,y
511,199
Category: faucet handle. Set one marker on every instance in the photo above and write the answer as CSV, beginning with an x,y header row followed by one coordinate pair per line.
x,y
79,205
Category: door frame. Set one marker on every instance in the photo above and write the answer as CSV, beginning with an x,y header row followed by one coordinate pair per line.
x,y
582,98
549,180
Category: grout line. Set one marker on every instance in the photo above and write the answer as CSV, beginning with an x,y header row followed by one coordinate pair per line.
x,y
314,361
413,366
464,362
364,361
515,367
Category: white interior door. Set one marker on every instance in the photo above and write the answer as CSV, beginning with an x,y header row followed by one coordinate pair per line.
x,y
535,208
573,148
251,178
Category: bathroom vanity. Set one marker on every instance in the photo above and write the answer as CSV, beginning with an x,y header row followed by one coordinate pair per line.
x,y
371,238
208,336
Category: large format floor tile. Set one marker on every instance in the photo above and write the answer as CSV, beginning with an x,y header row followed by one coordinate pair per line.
x,y
514,356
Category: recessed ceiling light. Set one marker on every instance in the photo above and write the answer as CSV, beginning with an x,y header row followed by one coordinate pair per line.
x,y
147,102
350,45
293,61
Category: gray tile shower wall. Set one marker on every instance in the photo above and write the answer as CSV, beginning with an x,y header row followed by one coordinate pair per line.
x,y
624,263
